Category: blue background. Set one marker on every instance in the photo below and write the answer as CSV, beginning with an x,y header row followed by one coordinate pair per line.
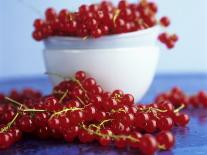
x,y
21,56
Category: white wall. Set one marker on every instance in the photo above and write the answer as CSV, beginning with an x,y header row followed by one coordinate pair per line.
x,y
20,55
189,19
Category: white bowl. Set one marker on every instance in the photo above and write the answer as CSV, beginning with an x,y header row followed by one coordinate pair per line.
x,y
126,61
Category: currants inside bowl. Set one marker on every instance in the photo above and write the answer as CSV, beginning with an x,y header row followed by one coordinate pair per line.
x,y
122,61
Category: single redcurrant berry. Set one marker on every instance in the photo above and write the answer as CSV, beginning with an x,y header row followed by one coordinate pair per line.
x,y
83,9
134,144
64,15
151,126
165,139
43,132
165,21
37,35
80,75
89,83
182,120
26,124
5,140
120,143
163,37
38,24
165,123
50,14
128,99
148,144
96,33
123,4
153,7
170,44
174,37
141,119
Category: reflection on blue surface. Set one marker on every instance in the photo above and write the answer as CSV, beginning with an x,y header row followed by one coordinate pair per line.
x,y
191,140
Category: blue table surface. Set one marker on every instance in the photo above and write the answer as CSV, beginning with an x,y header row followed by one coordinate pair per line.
x,y
191,140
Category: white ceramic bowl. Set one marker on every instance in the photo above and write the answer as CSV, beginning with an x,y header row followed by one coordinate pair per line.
x,y
126,61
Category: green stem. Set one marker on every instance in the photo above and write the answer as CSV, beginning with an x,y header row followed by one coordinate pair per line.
x,y
33,110
9,124
64,111
109,135
58,75
15,102
179,108
64,95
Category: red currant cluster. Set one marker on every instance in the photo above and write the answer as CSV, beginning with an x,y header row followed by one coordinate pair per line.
x,y
168,40
79,108
101,19
178,97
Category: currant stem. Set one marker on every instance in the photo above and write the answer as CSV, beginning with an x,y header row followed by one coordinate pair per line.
x,y
85,38
161,147
68,78
9,124
58,75
15,102
117,97
104,122
63,97
81,101
13,120
33,110
119,110
58,92
97,132
116,14
80,85
179,108
64,111
151,109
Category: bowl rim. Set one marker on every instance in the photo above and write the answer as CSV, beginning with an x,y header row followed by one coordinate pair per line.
x,y
107,37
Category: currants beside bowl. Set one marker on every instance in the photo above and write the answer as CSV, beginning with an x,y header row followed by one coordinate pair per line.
x,y
104,18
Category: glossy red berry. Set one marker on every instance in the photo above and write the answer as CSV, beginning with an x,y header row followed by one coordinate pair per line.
x,y
135,144
38,24
17,134
165,123
174,37
170,44
5,140
71,134
50,14
120,143
26,124
85,136
37,35
64,15
141,119
123,4
166,139
104,141
89,83
43,132
165,21
148,144
96,33
182,119
151,126
83,9
128,99
41,119
153,7
80,75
